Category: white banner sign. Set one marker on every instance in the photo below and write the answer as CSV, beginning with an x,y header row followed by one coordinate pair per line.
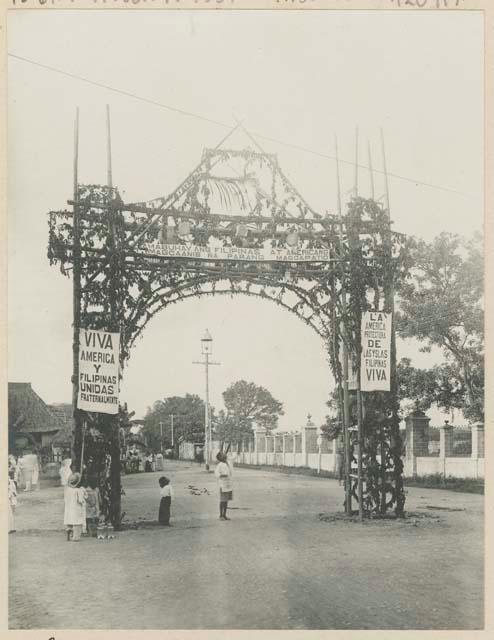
x,y
376,351
263,254
98,371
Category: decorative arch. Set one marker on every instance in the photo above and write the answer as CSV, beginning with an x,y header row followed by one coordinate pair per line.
x,y
291,298
236,225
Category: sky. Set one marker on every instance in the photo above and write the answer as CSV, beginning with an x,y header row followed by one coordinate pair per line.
x,y
295,78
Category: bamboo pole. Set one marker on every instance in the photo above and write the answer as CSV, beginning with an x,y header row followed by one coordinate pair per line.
x,y
82,447
395,430
371,172
385,171
76,301
108,149
360,427
346,397
360,440
114,288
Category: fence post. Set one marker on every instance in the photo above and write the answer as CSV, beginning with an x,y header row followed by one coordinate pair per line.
x,y
417,439
284,449
319,451
478,445
335,453
445,444
477,440
309,437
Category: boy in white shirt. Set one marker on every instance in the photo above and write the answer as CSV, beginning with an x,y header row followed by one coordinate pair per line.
x,y
223,473
166,494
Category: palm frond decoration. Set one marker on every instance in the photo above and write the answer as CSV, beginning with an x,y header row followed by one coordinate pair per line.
x,y
232,191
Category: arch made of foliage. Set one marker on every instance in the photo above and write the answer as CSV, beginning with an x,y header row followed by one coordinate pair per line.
x,y
370,262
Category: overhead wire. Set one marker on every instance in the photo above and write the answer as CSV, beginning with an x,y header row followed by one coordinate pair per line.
x,y
219,123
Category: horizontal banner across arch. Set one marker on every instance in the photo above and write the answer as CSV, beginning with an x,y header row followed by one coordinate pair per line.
x,y
262,254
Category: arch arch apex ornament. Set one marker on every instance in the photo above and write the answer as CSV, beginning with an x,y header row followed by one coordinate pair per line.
x,y
237,226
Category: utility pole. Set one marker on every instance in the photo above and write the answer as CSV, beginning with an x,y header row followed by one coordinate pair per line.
x,y
207,350
172,428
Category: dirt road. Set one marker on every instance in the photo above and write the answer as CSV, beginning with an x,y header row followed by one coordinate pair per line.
x,y
275,565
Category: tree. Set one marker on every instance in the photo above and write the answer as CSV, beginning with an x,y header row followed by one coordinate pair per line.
x,y
188,421
247,405
441,306
417,388
227,430
332,426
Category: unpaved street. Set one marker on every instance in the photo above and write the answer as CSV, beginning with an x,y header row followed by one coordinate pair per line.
x,y
275,565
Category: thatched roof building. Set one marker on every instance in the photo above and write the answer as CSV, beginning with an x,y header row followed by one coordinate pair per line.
x,y
29,414
63,438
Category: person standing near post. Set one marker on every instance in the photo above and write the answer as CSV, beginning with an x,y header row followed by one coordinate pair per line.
x,y
12,495
65,471
75,511
223,472
30,471
166,494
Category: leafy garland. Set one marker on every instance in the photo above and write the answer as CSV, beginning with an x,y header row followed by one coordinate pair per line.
x,y
377,263
369,264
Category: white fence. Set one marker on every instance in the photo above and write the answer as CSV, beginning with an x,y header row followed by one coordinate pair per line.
x,y
421,459
323,461
306,449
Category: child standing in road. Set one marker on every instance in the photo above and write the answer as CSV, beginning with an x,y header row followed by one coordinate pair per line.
x,y
166,494
75,503
223,472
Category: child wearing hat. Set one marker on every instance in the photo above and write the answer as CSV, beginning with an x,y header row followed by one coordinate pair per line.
x,y
75,512
166,494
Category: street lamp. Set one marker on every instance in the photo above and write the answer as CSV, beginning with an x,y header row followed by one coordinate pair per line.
x,y
207,350
207,343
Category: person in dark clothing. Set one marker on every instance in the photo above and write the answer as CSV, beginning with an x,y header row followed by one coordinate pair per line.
x,y
166,494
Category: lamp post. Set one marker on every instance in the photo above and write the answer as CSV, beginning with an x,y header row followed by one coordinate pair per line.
x,y
207,351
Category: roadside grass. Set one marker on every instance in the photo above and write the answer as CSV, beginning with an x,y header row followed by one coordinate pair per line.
x,y
298,471
437,481
432,481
